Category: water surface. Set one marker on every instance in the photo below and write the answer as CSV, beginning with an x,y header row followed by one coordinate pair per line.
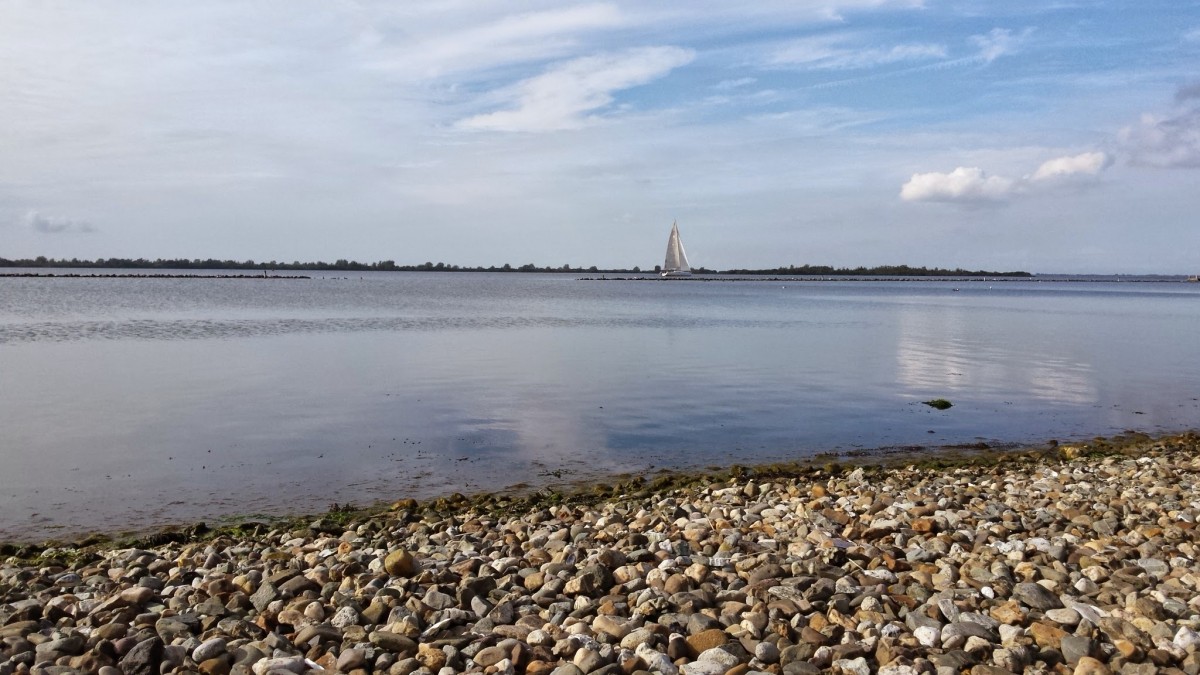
x,y
128,403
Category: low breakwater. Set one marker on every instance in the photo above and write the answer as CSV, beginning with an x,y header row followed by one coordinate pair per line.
x,y
1076,562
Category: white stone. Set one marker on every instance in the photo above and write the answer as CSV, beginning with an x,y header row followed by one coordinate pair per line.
x,y
976,644
656,661
928,636
853,666
293,664
703,668
539,638
208,649
718,655
767,652
1186,637
1010,634
883,574
1090,613
346,616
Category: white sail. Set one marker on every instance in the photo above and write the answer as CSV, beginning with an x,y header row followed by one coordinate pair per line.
x,y
676,263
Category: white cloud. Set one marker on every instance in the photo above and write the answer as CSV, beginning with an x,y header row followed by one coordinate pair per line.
x,y
843,53
1086,164
998,42
1169,141
964,184
838,52
563,97
726,85
971,185
501,41
1166,142
55,225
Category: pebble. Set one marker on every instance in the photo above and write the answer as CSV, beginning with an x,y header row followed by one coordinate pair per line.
x,y
209,649
1087,565
1064,616
1076,647
1036,596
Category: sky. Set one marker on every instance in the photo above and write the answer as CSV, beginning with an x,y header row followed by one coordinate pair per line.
x,y
1038,135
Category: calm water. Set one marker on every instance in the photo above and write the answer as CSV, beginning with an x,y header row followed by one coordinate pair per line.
x,y
126,403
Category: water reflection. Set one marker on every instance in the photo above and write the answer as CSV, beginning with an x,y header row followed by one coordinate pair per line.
x,y
961,349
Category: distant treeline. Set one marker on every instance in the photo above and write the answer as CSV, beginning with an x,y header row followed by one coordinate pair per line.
x,y
343,265
340,265
882,270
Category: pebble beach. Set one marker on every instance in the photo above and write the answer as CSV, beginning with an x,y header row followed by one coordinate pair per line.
x,y
1080,559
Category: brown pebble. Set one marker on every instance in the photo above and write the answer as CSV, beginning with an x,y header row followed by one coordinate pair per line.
x,y
400,563
1047,636
705,640
1091,666
431,656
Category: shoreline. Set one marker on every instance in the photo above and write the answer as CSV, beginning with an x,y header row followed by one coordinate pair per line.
x,y
1079,558
551,485
557,488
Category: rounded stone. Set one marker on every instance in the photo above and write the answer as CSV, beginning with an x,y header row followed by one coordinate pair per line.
x,y
400,563
767,652
209,649
1064,616
705,640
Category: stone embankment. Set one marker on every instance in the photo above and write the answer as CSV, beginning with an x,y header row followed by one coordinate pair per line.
x,y
1038,565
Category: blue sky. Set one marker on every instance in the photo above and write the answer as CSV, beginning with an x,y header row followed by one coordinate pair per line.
x,y
1046,136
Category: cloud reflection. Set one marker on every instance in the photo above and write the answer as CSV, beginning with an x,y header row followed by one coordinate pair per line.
x,y
950,351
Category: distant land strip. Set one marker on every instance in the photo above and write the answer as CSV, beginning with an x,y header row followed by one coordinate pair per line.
x,y
130,275
343,265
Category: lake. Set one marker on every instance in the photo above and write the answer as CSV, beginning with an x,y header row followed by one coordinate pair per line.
x,y
131,403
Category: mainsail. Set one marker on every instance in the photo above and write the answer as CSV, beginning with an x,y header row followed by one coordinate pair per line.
x,y
676,257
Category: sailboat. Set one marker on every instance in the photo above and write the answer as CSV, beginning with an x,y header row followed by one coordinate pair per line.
x,y
676,265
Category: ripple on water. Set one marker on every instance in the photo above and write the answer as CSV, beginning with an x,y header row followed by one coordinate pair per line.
x,y
199,329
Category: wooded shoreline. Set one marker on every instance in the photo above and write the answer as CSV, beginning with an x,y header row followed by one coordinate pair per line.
x,y
343,265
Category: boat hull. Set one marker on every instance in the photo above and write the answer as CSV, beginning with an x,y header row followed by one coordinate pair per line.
x,y
675,274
